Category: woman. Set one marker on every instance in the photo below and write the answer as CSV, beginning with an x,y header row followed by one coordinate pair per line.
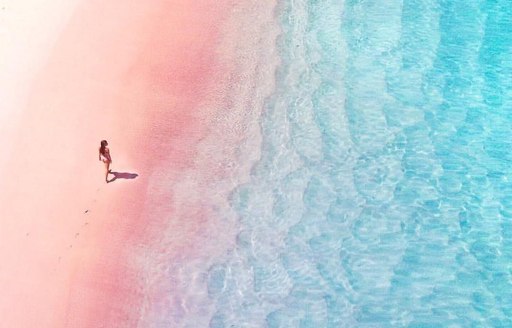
x,y
104,156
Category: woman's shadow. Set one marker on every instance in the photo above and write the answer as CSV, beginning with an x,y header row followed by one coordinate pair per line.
x,y
122,175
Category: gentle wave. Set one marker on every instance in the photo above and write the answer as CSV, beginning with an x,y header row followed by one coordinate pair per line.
x,y
382,196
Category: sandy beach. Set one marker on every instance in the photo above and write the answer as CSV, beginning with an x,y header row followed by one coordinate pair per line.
x,y
275,163
66,235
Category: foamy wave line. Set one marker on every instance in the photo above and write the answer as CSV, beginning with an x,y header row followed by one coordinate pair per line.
x,y
178,294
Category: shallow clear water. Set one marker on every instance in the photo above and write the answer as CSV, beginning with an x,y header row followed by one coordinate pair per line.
x,y
383,196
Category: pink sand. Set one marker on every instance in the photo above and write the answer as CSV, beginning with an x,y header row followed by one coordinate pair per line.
x,y
121,71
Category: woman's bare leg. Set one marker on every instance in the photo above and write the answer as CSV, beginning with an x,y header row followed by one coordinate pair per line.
x,y
107,167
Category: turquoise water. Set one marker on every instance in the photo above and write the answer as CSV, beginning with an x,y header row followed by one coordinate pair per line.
x,y
383,196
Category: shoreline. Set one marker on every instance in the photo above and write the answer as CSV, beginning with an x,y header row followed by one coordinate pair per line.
x,y
90,253
222,161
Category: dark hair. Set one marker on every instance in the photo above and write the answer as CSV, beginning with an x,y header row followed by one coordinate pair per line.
x,y
103,145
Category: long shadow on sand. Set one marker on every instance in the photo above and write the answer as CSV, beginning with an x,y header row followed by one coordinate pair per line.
x,y
122,175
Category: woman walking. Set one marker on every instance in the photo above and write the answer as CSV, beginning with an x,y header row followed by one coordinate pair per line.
x,y
104,156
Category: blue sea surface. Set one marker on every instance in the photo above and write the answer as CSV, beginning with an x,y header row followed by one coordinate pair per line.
x,y
383,196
